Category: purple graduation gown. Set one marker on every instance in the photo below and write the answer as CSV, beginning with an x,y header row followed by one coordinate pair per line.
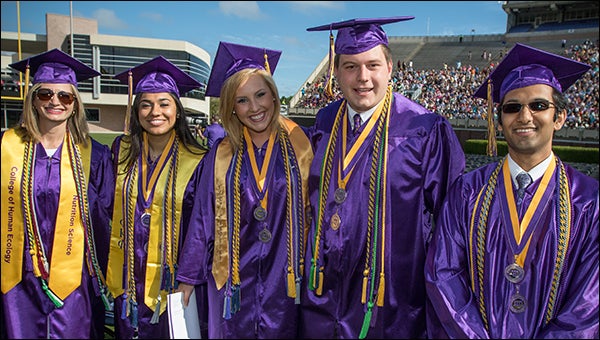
x,y
213,133
146,330
27,312
424,158
448,266
265,309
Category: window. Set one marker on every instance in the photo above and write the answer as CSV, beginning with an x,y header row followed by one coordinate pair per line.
x,y
92,115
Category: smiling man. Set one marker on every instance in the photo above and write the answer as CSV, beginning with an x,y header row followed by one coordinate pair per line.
x,y
515,253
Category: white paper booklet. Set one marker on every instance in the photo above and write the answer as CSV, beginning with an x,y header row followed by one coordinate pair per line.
x,y
183,321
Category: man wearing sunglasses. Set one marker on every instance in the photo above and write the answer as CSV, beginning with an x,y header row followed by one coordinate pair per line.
x,y
57,195
515,253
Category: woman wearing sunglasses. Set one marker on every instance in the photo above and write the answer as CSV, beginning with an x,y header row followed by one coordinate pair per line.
x,y
515,253
57,194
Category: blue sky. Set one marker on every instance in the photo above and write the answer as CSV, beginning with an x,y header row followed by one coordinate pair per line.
x,y
279,25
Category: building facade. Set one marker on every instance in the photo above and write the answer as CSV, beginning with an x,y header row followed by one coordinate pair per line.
x,y
104,97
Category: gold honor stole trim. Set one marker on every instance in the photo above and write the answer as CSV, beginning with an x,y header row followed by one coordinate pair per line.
x,y
304,156
188,162
68,245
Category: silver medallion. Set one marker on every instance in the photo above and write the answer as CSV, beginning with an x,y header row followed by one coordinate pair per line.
x,y
264,235
260,214
340,195
514,273
145,219
518,304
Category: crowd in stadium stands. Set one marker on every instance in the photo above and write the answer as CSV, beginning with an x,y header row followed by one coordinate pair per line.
x,y
448,91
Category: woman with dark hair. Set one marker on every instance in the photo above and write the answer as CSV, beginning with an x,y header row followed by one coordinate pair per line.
x,y
155,161
57,194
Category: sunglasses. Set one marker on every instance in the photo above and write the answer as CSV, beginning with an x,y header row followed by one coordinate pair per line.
x,y
47,94
534,106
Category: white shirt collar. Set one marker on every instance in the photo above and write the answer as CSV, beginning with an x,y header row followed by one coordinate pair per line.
x,y
536,173
364,116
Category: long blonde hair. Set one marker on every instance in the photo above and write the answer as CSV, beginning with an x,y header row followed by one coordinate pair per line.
x,y
230,121
76,123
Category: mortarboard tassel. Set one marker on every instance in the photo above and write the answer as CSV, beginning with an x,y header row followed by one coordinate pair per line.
x,y
328,85
267,67
491,145
26,89
129,97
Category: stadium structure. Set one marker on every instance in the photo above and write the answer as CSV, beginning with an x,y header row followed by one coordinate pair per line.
x,y
542,24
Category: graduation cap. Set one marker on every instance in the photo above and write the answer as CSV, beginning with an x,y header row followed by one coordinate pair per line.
x,y
355,36
56,67
158,75
231,58
525,66
155,76
358,35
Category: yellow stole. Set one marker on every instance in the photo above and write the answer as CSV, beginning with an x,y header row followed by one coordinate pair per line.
x,y
186,165
304,156
68,245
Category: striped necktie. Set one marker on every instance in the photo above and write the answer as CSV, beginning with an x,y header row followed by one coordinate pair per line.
x,y
357,124
523,179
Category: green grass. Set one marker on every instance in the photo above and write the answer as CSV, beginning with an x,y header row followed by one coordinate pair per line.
x,y
105,138
576,154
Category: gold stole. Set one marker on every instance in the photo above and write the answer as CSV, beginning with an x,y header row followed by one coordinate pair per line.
x,y
68,245
304,155
186,165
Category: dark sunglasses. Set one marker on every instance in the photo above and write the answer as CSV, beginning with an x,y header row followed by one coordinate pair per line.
x,y
47,94
534,106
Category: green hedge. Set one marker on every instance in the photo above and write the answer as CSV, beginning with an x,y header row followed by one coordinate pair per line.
x,y
571,154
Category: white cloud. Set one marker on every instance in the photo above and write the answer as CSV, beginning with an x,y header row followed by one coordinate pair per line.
x,y
312,6
152,16
241,9
108,19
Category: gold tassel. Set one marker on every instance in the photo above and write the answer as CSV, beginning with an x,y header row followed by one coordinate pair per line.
x,y
381,290
291,284
491,145
26,89
363,297
329,85
267,62
129,99
321,278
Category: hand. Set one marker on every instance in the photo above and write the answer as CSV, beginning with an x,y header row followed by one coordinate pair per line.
x,y
187,290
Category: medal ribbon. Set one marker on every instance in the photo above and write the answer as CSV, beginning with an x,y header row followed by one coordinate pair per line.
x,y
148,185
349,159
520,227
260,175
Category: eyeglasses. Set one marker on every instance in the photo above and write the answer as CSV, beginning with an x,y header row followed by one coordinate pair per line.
x,y
47,94
534,106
